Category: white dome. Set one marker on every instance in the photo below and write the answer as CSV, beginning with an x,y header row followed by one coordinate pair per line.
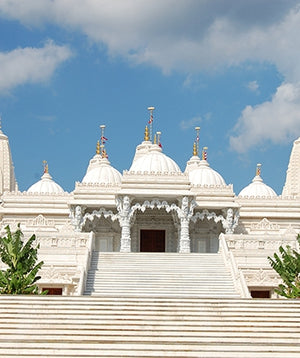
x,y
192,164
205,175
46,186
257,189
154,161
103,173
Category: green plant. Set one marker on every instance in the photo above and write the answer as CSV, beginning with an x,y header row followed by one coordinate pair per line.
x,y
20,277
287,265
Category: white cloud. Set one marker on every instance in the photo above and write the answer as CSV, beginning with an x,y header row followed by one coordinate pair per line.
x,y
190,123
253,86
190,36
277,121
30,65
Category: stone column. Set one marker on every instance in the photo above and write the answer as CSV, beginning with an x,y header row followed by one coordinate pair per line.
x,y
185,213
184,242
123,206
125,245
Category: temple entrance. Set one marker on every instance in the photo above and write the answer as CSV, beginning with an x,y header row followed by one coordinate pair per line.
x,y
152,241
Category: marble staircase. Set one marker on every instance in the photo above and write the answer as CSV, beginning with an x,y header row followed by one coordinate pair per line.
x,y
131,326
159,274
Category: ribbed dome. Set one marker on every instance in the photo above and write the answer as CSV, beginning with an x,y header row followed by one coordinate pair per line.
x,y
192,164
46,186
257,189
102,173
205,175
154,162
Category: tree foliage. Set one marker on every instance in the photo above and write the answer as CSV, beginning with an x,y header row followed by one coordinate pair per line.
x,y
287,265
20,277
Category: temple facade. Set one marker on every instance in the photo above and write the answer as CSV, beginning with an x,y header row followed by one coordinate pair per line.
x,y
153,207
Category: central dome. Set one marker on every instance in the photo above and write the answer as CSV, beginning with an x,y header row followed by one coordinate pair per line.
x,y
154,161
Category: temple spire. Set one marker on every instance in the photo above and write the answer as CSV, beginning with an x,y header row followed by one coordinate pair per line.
x,y
151,109
46,168
258,169
197,140
103,140
158,138
204,153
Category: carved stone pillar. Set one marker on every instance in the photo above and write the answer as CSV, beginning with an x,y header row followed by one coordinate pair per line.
x,y
124,210
125,245
185,213
184,242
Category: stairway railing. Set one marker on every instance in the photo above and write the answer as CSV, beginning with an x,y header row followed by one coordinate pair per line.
x,y
238,277
86,265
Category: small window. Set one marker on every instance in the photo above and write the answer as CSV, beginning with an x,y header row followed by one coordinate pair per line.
x,y
260,294
53,290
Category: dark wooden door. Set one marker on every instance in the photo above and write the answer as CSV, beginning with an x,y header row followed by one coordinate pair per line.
x,y
152,241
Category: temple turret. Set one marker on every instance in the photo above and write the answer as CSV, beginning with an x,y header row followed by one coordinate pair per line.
x,y
292,182
7,174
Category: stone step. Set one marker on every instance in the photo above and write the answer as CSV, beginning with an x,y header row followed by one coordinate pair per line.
x,y
172,274
106,326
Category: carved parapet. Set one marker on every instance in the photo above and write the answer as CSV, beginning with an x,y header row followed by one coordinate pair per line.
x,y
261,277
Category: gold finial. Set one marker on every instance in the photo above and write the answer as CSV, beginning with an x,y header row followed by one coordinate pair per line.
x,y
151,109
98,148
204,153
154,141
195,149
258,169
46,169
146,136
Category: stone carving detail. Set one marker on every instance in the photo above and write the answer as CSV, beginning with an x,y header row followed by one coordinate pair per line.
x,y
290,231
40,220
185,213
261,277
77,217
62,242
230,222
67,227
99,213
51,274
265,225
125,213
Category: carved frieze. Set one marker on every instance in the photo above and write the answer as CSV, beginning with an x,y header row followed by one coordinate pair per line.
x,y
265,225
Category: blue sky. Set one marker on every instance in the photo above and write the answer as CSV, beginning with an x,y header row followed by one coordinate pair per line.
x,y
232,67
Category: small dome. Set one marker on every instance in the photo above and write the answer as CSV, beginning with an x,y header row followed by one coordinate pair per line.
x,y
257,189
46,186
205,175
102,173
192,164
154,161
